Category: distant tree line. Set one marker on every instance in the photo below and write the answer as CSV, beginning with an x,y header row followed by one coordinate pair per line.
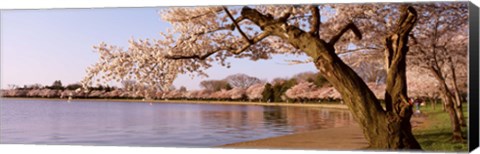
x,y
304,87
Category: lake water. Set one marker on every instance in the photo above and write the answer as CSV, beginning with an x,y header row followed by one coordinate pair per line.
x,y
84,122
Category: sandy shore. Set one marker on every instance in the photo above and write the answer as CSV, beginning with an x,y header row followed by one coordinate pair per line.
x,y
343,138
323,105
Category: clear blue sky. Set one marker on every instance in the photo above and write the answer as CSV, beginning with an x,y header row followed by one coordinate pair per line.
x,y
40,46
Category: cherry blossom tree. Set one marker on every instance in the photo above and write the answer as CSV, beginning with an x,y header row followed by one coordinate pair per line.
x,y
236,93
215,85
202,35
242,80
439,45
254,92
300,91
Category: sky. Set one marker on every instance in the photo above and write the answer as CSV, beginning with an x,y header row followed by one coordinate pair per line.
x,y
41,46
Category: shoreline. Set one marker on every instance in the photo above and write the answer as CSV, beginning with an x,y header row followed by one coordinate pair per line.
x,y
329,106
340,138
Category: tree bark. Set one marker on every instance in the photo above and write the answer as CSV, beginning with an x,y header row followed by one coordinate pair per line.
x,y
399,110
449,105
444,107
455,123
458,101
383,129
434,103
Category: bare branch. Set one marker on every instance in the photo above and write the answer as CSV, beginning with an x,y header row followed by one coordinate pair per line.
x,y
351,26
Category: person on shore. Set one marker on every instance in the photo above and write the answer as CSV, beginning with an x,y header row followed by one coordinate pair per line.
x,y
417,103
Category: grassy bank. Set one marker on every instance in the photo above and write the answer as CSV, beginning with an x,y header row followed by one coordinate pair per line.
x,y
436,134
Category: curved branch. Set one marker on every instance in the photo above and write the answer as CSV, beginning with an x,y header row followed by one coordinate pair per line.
x,y
253,41
351,26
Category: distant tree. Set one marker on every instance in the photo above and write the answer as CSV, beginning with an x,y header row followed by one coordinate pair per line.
x,y
254,92
183,89
12,86
57,85
280,88
35,86
215,85
267,94
241,80
237,94
301,91
74,86
312,77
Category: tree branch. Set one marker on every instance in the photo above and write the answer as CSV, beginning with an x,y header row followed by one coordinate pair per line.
x,y
256,17
230,27
396,50
237,26
256,39
351,26
358,49
284,17
315,22
298,17
253,41
200,57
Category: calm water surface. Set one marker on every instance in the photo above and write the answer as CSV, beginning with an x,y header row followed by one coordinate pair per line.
x,y
84,122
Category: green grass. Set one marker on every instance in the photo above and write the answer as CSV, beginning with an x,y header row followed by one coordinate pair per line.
x,y
436,135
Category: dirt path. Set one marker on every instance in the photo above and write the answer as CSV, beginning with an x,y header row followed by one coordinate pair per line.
x,y
419,121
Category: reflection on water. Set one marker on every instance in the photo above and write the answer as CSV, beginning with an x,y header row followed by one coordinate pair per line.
x,y
141,124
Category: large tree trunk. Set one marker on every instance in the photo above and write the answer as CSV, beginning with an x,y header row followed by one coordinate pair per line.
x,y
399,109
455,123
389,129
